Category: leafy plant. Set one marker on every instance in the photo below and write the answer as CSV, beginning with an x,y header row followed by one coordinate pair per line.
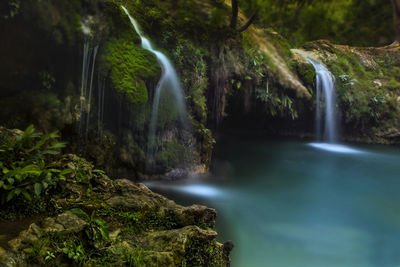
x,y
75,252
25,167
97,229
50,256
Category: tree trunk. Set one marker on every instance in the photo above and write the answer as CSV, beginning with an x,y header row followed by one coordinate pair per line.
x,y
396,19
235,12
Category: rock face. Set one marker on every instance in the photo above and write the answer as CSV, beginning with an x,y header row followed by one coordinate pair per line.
x,y
368,88
145,229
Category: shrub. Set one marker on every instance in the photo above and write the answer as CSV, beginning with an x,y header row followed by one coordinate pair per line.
x,y
25,167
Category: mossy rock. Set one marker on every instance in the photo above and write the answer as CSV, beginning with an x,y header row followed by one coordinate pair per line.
x,y
128,65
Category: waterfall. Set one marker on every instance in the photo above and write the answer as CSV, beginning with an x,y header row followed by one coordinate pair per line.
x,y
169,80
90,90
325,101
100,105
88,67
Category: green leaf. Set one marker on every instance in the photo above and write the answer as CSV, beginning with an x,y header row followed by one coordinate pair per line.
x,y
100,223
1,183
66,171
57,145
10,195
31,169
45,185
54,135
50,152
38,189
10,180
28,131
26,194
80,213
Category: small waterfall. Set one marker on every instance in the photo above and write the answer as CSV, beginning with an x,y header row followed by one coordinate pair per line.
x,y
325,101
88,67
168,80
100,105
90,91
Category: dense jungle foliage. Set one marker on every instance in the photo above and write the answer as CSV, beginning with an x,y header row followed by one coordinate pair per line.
x,y
352,22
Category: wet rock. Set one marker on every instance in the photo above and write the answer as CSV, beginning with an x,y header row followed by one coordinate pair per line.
x,y
71,222
145,227
26,238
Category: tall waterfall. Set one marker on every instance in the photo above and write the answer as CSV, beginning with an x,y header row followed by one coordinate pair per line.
x,y
100,104
88,67
325,102
169,80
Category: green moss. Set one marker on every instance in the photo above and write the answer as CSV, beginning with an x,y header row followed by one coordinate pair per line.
x,y
207,142
364,104
71,20
129,67
280,43
393,84
307,75
191,60
171,154
202,253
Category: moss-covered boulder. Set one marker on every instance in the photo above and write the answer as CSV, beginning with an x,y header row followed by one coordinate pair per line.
x,y
128,65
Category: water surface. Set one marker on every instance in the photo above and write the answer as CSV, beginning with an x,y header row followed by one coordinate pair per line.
x,y
302,204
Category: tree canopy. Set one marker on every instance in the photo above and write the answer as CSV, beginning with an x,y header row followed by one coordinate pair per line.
x,y
353,22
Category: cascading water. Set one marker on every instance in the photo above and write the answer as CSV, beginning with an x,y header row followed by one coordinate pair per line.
x,y
325,97
100,105
89,107
326,105
168,80
88,68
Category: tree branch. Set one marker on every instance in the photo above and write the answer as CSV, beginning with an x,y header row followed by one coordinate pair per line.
x,y
248,23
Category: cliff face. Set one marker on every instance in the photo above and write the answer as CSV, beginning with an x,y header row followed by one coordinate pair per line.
x,y
367,81
231,80
92,46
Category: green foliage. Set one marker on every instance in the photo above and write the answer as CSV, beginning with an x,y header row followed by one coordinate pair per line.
x,y
171,154
75,251
367,101
50,256
219,17
97,229
134,258
277,104
191,60
355,22
24,161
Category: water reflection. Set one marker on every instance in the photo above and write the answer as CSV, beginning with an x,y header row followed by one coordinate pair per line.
x,y
335,148
193,189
